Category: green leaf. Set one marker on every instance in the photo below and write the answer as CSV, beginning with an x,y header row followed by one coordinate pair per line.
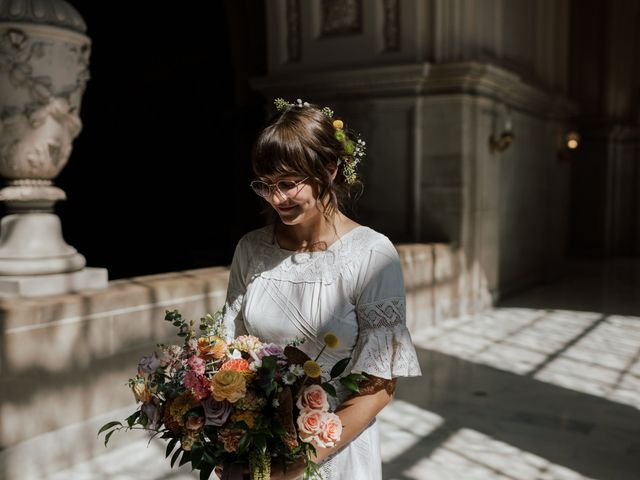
x,y
205,471
186,457
108,436
131,419
175,456
330,389
350,384
278,429
339,367
356,377
245,440
197,450
260,442
107,426
170,447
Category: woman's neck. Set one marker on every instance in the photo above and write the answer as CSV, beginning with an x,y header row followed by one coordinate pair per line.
x,y
318,234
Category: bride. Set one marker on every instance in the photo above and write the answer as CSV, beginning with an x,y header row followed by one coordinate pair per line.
x,y
317,271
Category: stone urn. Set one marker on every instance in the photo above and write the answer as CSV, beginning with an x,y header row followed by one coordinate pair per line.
x,y
44,60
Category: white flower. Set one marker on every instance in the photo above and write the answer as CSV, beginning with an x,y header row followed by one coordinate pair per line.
x,y
296,369
289,378
236,354
275,403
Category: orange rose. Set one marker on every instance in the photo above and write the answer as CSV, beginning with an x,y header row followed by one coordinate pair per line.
x,y
237,365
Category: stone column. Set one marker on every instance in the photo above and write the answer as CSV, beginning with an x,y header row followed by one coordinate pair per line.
x,y
44,60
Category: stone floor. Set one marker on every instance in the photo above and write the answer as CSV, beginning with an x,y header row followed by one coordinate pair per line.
x,y
546,386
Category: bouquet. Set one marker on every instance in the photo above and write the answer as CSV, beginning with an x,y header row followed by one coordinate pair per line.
x,y
243,403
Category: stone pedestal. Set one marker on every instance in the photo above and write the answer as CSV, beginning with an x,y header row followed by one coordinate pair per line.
x,y
44,60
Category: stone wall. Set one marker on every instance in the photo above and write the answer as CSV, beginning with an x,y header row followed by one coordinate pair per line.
x,y
66,359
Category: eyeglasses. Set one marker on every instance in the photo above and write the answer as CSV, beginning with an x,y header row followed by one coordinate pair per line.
x,y
285,187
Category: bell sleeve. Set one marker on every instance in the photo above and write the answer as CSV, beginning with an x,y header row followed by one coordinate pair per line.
x,y
232,318
384,347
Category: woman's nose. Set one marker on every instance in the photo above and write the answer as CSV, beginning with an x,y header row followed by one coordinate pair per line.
x,y
277,197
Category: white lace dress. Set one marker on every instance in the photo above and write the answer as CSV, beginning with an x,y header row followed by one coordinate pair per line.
x,y
353,289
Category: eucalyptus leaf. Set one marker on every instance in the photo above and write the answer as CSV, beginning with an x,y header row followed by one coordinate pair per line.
x,y
350,384
108,436
339,367
107,426
330,389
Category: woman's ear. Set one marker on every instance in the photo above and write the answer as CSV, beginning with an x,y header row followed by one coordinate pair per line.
x,y
333,170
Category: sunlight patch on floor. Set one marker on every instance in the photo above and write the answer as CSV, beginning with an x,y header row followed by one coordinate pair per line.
x,y
582,351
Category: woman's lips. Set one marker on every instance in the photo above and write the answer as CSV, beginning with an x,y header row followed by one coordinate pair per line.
x,y
286,209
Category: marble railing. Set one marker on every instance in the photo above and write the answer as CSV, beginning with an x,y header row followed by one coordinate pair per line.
x,y
65,360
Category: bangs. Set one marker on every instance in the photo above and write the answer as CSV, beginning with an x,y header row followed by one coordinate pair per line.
x,y
279,151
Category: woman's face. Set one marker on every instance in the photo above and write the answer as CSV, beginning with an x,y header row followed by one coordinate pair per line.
x,y
295,205
295,199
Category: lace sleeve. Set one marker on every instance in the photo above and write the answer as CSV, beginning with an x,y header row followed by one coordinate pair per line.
x,y
384,347
232,310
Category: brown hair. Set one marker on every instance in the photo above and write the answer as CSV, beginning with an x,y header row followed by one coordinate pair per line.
x,y
301,140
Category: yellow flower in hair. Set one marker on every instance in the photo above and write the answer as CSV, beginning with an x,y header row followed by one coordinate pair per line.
x,y
332,340
338,124
312,368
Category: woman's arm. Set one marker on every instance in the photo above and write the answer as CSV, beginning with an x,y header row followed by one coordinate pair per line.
x,y
355,414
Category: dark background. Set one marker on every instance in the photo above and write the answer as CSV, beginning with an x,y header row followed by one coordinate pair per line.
x,y
158,178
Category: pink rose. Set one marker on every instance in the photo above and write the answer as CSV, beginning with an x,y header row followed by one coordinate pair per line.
x,y
313,397
309,425
331,430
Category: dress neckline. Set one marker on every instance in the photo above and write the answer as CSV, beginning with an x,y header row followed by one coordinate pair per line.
x,y
277,246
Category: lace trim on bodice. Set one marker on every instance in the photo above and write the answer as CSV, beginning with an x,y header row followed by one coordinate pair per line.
x,y
271,262
384,347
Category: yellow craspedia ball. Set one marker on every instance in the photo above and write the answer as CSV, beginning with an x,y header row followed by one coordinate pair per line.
x,y
331,340
311,369
338,124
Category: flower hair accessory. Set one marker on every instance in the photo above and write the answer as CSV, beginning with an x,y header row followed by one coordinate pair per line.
x,y
354,148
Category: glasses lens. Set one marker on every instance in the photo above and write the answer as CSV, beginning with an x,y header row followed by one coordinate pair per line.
x,y
286,185
261,188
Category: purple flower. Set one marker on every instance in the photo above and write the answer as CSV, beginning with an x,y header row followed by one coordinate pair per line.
x,y
216,413
151,410
149,364
271,349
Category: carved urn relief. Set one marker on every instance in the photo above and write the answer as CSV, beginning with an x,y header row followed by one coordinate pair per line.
x,y
44,60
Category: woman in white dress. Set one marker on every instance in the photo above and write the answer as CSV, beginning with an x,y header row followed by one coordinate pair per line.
x,y
317,271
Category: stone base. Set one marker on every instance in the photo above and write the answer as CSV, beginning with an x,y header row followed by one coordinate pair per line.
x,y
54,284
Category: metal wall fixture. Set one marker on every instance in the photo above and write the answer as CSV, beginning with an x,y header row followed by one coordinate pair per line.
x,y
499,142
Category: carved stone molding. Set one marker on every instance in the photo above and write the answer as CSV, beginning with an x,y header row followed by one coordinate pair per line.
x,y
294,34
341,17
423,79
391,27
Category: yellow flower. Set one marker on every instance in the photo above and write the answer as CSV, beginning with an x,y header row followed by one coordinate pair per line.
x,y
180,406
311,368
211,347
228,385
140,392
338,125
331,340
247,416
